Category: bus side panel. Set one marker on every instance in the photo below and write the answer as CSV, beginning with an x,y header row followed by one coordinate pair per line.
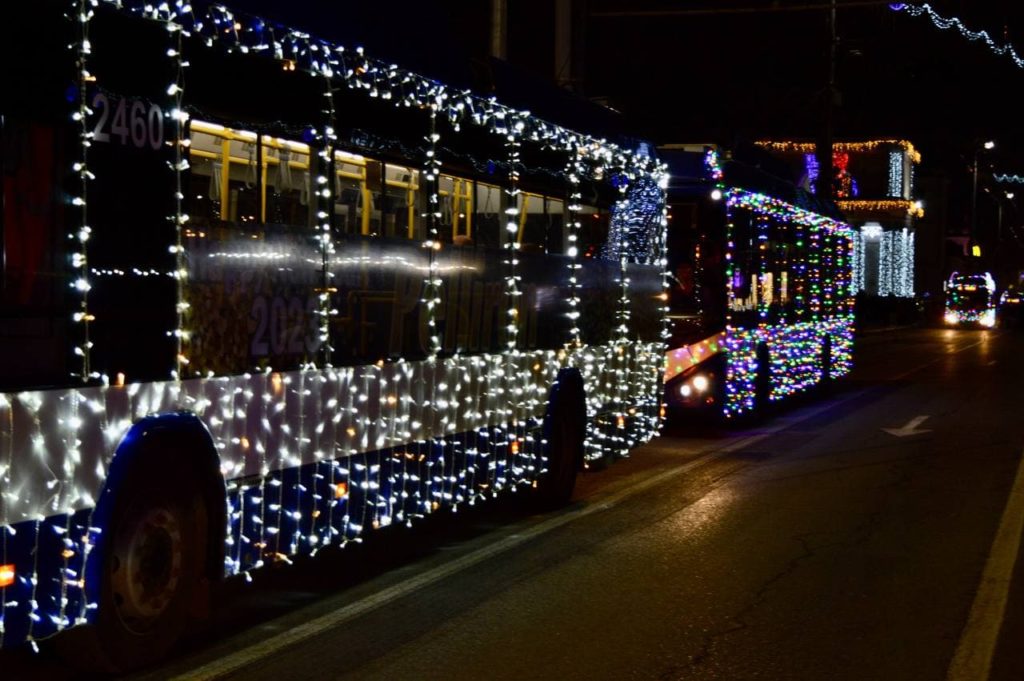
x,y
130,206
49,557
646,302
795,353
598,299
840,333
252,299
377,290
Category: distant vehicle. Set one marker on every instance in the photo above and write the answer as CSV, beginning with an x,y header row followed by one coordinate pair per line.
x,y
1009,309
970,300
759,286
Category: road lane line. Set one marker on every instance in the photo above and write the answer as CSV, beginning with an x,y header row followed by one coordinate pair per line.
x,y
973,658
220,668
938,359
244,657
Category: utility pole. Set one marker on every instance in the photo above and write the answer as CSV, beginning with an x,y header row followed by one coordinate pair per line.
x,y
564,75
978,147
823,149
499,29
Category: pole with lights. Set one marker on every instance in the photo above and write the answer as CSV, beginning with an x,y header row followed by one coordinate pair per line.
x,y
974,188
999,218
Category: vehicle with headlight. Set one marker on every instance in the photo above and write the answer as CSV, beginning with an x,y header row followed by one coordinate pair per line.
x,y
970,300
1008,312
759,272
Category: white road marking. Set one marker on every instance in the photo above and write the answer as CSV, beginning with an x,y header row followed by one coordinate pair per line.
x,y
244,657
910,428
973,658
220,668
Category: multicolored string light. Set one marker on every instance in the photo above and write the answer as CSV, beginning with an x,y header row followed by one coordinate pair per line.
x,y
823,305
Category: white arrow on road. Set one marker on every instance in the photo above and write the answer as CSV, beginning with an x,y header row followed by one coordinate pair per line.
x,y
910,428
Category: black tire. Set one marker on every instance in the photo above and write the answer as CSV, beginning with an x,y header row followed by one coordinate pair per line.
x,y
565,425
763,380
152,566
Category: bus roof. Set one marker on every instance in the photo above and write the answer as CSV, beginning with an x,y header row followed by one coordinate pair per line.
x,y
689,173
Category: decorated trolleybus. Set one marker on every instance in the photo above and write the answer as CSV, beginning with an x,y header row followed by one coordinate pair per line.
x,y
262,294
760,298
970,299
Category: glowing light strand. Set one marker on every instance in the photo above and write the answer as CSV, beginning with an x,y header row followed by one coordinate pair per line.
x,y
179,119
896,175
325,207
945,24
83,11
574,171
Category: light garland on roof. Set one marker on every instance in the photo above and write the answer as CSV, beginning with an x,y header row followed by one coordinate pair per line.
x,y
913,208
846,147
1012,179
236,32
945,24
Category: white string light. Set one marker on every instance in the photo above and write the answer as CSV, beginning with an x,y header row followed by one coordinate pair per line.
x,y
83,10
946,24
896,175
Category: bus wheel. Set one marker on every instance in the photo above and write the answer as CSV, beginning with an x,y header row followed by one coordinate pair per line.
x,y
565,426
151,567
762,379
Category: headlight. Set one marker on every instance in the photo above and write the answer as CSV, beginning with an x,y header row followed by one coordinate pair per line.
x,y
951,318
700,383
685,390
988,318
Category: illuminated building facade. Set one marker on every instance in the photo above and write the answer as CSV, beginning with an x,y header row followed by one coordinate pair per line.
x,y
873,184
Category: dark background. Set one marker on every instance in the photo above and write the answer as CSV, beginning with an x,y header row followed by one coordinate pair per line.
x,y
726,71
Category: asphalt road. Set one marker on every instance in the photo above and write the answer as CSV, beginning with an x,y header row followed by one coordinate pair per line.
x,y
815,544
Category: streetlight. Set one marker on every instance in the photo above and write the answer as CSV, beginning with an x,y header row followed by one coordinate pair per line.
x,y
974,188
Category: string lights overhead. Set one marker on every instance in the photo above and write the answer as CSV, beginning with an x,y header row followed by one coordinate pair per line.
x,y
945,24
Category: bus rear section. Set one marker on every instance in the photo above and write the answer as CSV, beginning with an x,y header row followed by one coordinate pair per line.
x,y
760,301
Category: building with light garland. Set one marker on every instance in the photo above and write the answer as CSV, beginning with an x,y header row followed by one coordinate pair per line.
x,y
873,184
